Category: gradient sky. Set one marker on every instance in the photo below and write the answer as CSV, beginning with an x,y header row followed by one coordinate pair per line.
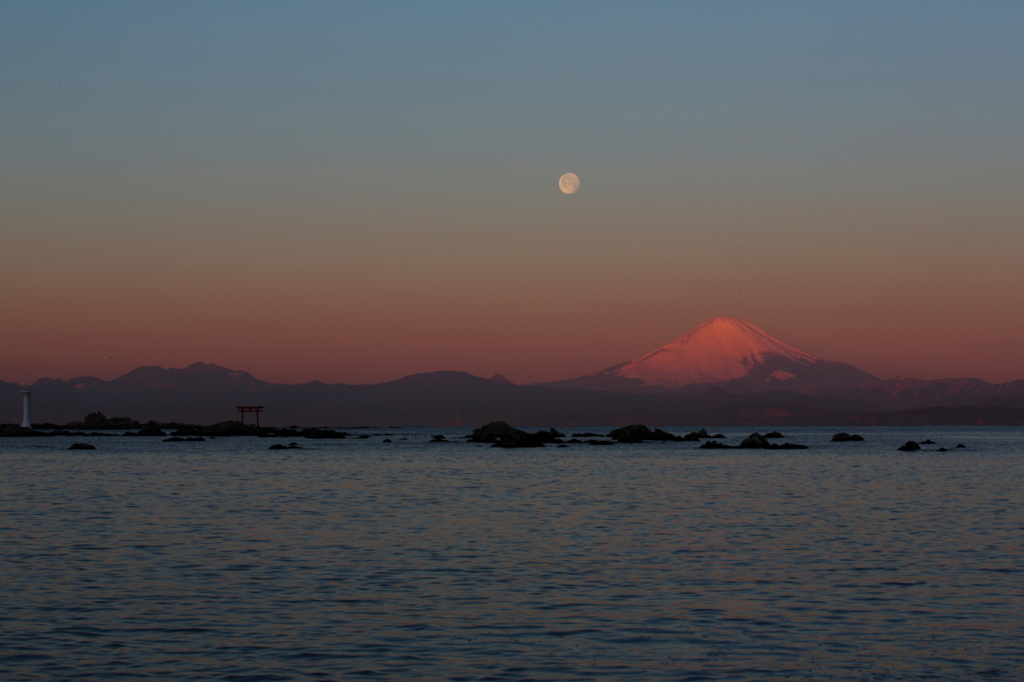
x,y
355,192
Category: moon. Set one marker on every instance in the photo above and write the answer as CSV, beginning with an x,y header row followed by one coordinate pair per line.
x,y
569,183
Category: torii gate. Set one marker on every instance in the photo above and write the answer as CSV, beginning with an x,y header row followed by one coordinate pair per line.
x,y
242,409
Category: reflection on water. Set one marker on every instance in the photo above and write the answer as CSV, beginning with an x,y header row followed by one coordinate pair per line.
x,y
417,561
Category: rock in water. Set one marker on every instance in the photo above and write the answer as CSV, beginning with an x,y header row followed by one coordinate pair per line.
x,y
843,437
491,433
501,435
773,434
755,440
13,430
229,428
323,434
549,436
909,446
634,433
81,446
94,420
665,435
637,433
518,439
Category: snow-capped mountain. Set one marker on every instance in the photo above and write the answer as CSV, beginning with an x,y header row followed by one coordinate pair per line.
x,y
729,353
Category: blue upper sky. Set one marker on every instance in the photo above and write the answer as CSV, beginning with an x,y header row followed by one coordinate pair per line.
x,y
481,87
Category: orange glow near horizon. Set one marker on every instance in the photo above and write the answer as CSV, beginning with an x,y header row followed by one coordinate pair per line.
x,y
541,294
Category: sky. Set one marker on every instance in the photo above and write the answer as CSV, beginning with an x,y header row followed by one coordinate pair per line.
x,y
354,192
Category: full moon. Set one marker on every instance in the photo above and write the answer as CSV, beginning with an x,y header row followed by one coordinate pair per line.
x,y
569,183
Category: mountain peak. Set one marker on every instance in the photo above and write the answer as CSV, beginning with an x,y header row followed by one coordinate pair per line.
x,y
157,377
726,352
721,349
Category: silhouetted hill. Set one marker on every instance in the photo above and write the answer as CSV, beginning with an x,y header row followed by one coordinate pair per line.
x,y
203,393
198,375
909,394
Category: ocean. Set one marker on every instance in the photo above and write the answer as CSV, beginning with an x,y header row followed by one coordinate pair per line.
x,y
412,560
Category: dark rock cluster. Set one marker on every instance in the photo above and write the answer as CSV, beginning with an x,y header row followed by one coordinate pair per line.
x,y
15,431
700,435
754,441
498,434
501,435
638,433
913,446
320,434
222,429
96,420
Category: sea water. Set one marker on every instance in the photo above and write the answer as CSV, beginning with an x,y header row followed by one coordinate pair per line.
x,y
412,560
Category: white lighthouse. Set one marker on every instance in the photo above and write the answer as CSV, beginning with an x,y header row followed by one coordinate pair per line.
x,y
26,401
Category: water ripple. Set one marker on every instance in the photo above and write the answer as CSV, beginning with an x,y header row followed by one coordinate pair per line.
x,y
402,561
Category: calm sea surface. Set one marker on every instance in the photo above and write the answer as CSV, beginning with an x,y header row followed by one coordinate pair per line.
x,y
410,560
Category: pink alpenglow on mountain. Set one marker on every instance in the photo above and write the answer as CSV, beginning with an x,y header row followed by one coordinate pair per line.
x,y
717,351
728,353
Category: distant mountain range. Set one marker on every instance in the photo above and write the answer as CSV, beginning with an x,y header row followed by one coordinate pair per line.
x,y
725,372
